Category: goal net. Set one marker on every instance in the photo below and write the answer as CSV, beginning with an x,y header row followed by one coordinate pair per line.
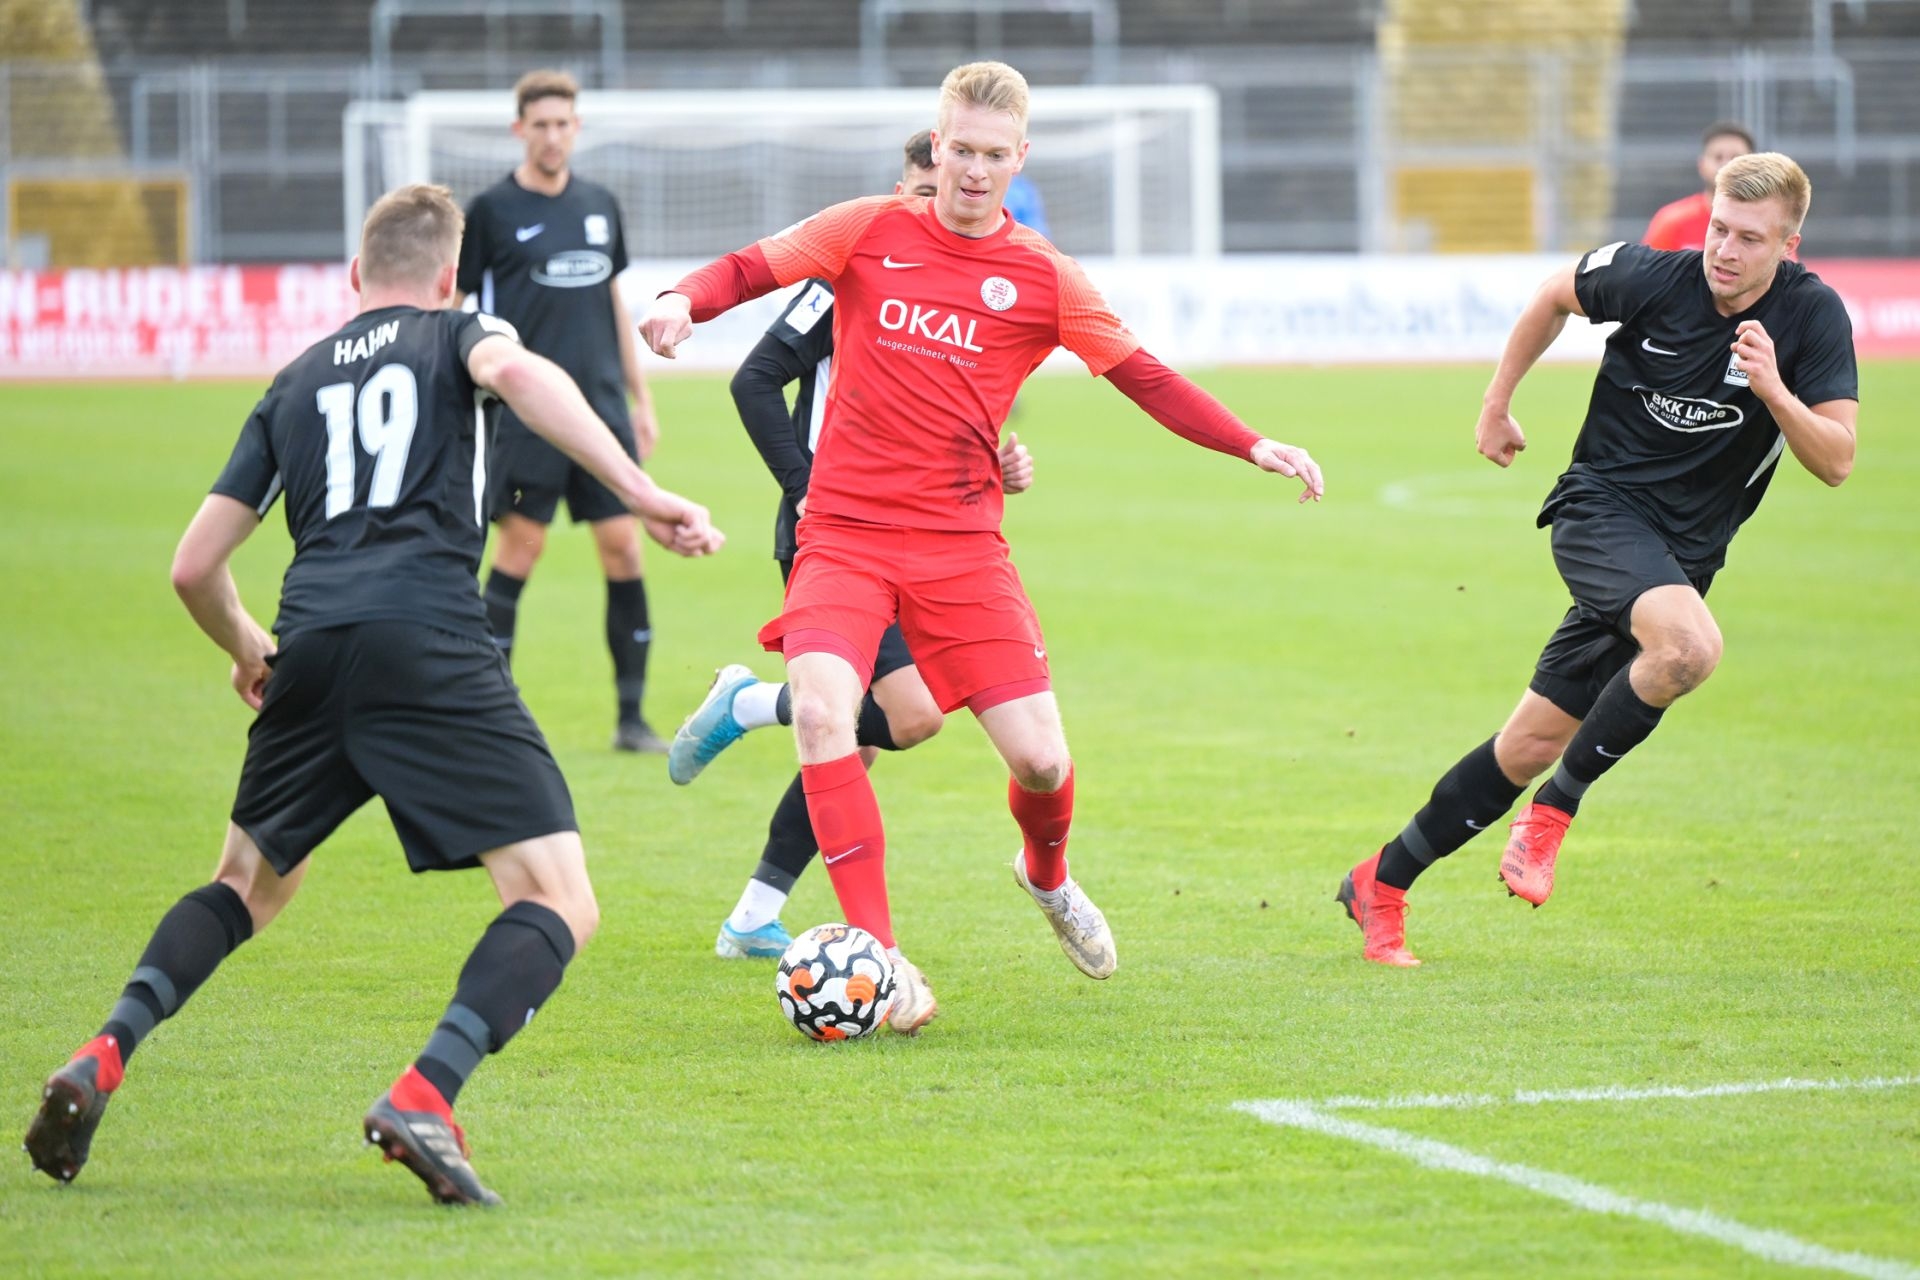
x,y
1124,171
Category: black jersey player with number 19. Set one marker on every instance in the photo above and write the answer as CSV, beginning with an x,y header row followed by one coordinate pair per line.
x,y
1723,362
384,681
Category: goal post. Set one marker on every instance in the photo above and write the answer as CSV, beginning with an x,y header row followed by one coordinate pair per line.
x,y
1124,170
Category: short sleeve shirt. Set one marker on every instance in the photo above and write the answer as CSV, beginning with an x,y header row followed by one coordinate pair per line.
x,y
1672,426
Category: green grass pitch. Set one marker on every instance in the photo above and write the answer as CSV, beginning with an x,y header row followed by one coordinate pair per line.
x,y
1257,694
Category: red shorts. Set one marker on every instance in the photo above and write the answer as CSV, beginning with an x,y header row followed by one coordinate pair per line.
x,y
959,602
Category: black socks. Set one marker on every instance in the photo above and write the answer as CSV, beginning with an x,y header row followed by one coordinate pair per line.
x,y
515,966
629,638
1618,723
790,841
1472,796
872,729
200,931
502,598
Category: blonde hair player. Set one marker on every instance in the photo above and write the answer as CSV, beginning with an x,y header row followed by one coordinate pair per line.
x,y
944,305
1725,358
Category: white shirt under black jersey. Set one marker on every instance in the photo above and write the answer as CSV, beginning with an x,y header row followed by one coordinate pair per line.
x,y
377,437
1672,427
548,264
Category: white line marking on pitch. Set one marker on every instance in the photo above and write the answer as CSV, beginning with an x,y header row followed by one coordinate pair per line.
x,y
1608,1093
1774,1246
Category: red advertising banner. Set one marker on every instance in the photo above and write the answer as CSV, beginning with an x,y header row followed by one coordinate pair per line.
x,y
168,322
1883,301
159,322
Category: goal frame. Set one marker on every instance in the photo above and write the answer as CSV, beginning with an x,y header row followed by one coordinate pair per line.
x,y
679,110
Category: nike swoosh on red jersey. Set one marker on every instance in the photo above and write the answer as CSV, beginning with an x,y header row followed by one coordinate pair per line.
x,y
899,266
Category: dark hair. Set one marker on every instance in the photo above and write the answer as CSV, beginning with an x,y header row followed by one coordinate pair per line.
x,y
919,150
544,83
1727,129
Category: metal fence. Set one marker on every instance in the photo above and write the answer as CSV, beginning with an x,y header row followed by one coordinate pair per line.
x,y
1309,162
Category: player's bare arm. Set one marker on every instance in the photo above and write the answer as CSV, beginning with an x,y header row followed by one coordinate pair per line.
x,y
646,427
549,402
1497,435
1821,436
205,585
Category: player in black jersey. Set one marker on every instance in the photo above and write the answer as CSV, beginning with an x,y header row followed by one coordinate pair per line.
x,y
1723,360
384,681
897,711
544,249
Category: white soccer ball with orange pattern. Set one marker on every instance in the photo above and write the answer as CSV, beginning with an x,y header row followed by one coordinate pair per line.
x,y
835,982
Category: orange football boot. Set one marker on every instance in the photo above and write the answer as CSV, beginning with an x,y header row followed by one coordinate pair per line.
x,y
1526,868
1381,912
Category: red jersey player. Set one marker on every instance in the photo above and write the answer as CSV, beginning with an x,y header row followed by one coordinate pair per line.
x,y
1683,224
942,308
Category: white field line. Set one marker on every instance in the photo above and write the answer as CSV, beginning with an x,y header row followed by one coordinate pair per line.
x,y
1607,1093
1774,1246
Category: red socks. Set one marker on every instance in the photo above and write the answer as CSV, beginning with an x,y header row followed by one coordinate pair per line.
x,y
414,1092
1044,818
853,845
105,1050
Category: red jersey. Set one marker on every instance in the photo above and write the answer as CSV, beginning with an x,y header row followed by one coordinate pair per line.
x,y
933,333
1682,224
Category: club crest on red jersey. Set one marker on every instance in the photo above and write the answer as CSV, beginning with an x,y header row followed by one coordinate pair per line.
x,y
998,292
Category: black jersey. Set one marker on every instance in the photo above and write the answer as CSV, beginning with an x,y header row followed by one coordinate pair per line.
x,y
377,436
1672,427
547,264
796,348
806,329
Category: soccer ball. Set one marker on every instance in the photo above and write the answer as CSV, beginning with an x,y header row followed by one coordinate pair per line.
x,y
835,982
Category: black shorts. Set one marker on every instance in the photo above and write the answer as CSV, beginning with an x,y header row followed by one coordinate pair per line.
x,y
528,477
893,654
427,720
1609,556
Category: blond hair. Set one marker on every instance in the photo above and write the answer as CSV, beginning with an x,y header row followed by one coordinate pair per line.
x,y
992,85
1767,175
409,235
544,83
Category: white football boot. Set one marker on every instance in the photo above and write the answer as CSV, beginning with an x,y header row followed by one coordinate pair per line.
x,y
1079,925
913,1002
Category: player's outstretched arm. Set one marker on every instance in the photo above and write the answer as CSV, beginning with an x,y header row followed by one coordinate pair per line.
x,y
1497,435
542,395
205,585
816,246
1190,413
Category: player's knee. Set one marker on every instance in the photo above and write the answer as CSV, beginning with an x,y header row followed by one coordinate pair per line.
x,y
820,721
621,564
264,895
1684,661
516,557
913,725
1043,770
582,916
